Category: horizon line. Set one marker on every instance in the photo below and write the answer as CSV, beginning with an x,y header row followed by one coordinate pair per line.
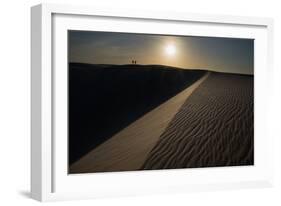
x,y
183,68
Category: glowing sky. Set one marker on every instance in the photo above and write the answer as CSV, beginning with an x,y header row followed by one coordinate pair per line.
x,y
212,53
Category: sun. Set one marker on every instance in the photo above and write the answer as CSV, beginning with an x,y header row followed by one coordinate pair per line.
x,y
170,50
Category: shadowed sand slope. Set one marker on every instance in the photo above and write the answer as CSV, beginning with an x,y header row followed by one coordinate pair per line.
x,y
105,99
128,149
214,127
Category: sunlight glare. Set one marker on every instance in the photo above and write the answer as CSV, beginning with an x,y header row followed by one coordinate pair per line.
x,y
170,50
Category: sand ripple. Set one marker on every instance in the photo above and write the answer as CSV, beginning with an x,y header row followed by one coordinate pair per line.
x,y
214,127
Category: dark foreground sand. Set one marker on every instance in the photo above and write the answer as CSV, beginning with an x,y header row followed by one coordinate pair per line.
x,y
128,149
105,99
214,127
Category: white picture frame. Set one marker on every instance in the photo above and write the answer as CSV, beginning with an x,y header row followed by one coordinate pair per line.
x,y
49,178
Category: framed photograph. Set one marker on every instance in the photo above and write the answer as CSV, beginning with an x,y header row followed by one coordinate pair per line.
x,y
138,102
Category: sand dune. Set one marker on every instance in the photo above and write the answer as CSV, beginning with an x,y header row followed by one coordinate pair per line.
x,y
214,127
129,148
201,122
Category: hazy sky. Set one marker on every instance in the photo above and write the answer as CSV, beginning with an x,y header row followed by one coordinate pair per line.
x,y
219,54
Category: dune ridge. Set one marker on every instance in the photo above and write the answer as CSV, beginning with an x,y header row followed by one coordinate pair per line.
x,y
214,127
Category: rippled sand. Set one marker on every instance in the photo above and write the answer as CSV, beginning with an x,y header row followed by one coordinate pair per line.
x,y
214,127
